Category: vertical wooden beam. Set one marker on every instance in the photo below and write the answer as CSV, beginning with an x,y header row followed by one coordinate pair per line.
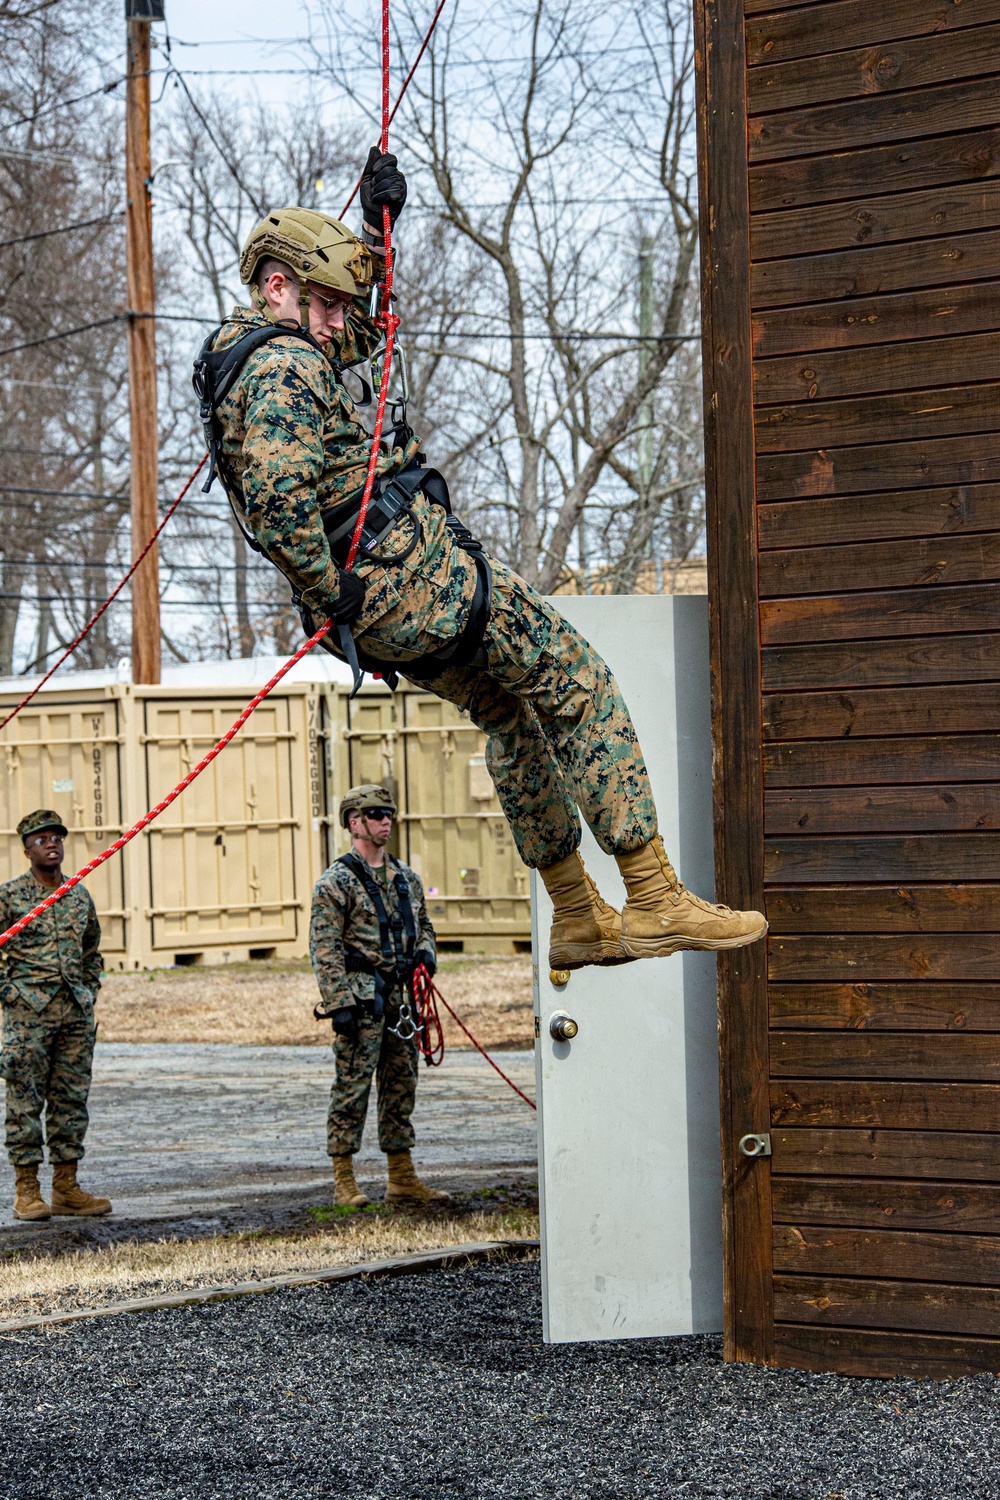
x,y
733,615
141,357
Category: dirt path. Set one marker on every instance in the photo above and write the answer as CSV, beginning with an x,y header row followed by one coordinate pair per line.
x,y
270,1004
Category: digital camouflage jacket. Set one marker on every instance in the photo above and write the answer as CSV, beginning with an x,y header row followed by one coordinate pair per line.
x,y
293,439
343,912
60,948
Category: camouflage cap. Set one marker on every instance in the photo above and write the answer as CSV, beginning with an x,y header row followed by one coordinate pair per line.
x,y
35,822
361,797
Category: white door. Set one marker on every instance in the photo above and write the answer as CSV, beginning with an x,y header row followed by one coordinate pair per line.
x,y
628,1116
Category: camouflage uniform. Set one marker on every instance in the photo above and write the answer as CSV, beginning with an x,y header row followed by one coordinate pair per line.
x,y
52,972
559,733
342,912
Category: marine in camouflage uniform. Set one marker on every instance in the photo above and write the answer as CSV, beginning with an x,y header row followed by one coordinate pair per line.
x,y
560,739
51,973
365,1009
559,735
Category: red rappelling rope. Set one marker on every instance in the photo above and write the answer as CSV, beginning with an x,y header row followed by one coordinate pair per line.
x,y
108,601
426,995
154,812
387,319
399,98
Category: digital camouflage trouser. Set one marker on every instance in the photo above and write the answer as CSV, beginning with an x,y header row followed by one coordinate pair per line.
x,y
393,1063
46,1062
559,735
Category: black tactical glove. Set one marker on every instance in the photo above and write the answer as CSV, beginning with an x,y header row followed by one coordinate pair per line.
x,y
382,186
425,956
350,601
345,1022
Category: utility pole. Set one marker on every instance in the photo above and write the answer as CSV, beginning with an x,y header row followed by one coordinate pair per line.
x,y
143,427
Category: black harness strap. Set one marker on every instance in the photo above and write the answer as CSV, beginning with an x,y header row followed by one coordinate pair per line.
x,y
216,372
398,933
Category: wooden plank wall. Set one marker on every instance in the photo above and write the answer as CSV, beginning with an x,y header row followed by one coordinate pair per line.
x,y
873,183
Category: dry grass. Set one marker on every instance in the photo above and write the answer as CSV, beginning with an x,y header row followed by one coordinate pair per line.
x,y
270,1003
93,1278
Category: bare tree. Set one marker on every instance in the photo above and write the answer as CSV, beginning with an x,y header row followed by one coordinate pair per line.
x,y
63,459
545,164
228,165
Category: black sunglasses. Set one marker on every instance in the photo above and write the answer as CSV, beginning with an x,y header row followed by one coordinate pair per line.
x,y
377,813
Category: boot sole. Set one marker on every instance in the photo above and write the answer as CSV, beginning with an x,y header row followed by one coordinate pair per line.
x,y
584,955
32,1218
665,946
81,1213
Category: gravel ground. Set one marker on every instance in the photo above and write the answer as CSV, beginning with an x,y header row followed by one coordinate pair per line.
x,y
439,1385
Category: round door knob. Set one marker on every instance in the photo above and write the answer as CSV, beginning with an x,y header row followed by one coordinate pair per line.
x,y
562,1028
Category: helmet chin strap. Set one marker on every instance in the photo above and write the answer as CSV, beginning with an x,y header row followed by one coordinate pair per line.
x,y
262,305
260,302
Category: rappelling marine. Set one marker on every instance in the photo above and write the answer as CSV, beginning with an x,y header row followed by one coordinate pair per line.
x,y
424,601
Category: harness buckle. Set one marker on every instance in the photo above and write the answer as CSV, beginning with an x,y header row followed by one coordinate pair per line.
x,y
406,1027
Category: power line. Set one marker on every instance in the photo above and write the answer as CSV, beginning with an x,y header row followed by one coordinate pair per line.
x,y
458,333
21,489
47,562
57,453
462,62
164,603
44,234
67,333
105,88
59,157
234,174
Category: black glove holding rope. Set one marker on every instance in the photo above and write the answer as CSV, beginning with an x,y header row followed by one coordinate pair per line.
x,y
425,956
382,186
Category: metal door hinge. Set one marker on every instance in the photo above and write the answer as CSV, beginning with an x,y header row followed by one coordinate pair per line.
x,y
755,1145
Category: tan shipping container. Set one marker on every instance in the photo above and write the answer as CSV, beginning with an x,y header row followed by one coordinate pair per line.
x,y
226,872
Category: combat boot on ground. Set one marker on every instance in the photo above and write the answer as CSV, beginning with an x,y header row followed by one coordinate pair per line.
x,y
69,1198
404,1184
28,1200
661,917
585,929
346,1193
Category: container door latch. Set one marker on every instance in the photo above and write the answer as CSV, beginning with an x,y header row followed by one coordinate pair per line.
x,y
755,1145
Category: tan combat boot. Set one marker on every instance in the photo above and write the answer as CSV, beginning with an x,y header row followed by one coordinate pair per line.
x,y
28,1200
585,929
69,1198
346,1193
404,1184
661,917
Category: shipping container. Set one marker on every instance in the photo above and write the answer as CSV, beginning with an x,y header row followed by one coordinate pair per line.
x,y
226,872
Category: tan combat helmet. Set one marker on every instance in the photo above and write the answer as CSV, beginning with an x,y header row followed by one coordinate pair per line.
x,y
364,799
318,249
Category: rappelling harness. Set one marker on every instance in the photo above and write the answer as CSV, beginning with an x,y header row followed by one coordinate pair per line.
x,y
215,373
397,939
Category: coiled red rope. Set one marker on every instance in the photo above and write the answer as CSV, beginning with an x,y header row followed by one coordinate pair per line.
x,y
430,1037
154,812
108,601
